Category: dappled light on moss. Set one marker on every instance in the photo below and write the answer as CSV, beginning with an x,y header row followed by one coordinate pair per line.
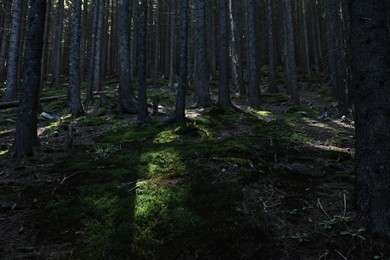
x,y
166,136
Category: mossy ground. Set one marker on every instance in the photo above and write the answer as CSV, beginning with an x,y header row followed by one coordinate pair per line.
x,y
227,185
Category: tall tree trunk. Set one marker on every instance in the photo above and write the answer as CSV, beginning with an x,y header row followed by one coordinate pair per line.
x,y
306,52
26,140
13,51
202,93
157,54
92,50
74,62
83,48
347,50
143,115
272,87
315,34
58,44
4,39
172,41
254,87
371,75
336,66
234,48
224,89
290,53
45,46
183,73
98,47
127,102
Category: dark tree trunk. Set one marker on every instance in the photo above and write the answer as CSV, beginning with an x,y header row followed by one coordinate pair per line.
x,y
99,47
202,93
172,41
290,54
183,73
336,66
58,44
127,102
371,74
306,52
26,140
254,87
13,51
83,47
4,38
92,52
74,63
224,90
272,87
45,47
143,115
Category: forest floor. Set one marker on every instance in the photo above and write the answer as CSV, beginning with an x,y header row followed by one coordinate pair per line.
x,y
270,184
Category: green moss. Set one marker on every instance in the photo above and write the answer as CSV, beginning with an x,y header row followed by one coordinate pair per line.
x,y
299,138
94,121
138,134
54,106
275,98
166,136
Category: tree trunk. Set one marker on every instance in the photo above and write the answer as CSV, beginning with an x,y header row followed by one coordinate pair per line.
x,y
58,44
172,42
157,40
26,140
306,52
127,102
183,73
13,51
143,115
202,93
92,50
224,90
272,87
83,36
254,88
336,66
234,48
45,47
98,47
4,39
74,62
371,74
290,54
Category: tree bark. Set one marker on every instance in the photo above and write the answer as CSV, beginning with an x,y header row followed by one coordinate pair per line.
x,y
74,62
13,51
26,140
202,93
183,73
4,39
272,87
172,41
45,47
336,66
290,53
224,89
58,44
306,52
254,88
92,50
371,74
143,115
127,102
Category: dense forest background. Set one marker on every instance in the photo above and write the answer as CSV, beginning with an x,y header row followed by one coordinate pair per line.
x,y
201,129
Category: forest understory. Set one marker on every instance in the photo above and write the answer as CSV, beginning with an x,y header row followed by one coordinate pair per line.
x,y
275,183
